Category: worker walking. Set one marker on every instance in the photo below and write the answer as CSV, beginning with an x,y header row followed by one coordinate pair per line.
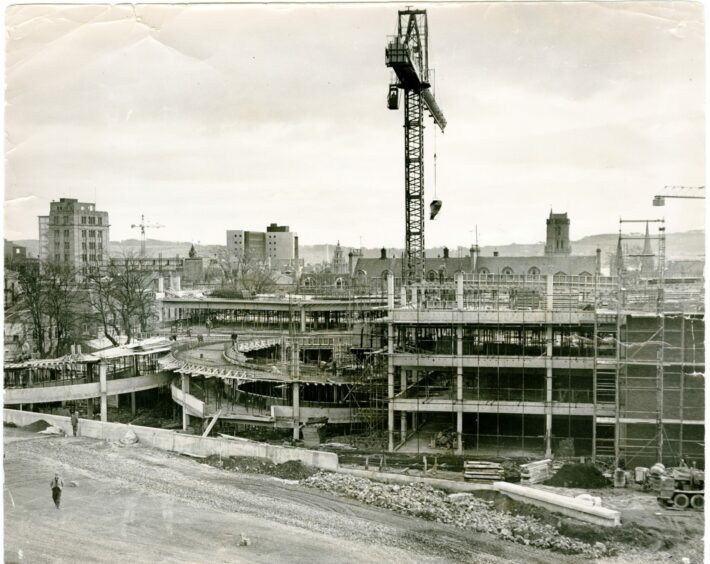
x,y
57,484
75,422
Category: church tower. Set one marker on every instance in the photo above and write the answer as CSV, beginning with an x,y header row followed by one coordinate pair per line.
x,y
557,235
339,264
648,264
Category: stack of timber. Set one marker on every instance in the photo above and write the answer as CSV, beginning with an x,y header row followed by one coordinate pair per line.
x,y
482,471
536,472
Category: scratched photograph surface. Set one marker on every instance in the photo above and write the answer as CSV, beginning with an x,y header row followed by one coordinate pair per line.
x,y
354,282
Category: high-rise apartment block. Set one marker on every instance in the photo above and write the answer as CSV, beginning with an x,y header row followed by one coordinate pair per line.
x,y
74,233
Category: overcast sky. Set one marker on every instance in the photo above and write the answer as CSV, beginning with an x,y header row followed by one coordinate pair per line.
x,y
208,118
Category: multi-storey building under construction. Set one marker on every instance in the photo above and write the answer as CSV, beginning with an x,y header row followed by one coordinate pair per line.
x,y
537,365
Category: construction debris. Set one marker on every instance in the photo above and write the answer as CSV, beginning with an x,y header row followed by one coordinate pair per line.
x,y
536,472
51,430
460,510
129,438
483,471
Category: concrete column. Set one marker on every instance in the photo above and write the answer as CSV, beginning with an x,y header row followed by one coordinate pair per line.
x,y
29,383
133,403
185,391
548,393
102,391
303,320
403,296
390,292
296,388
415,290
403,414
459,290
177,281
550,292
161,284
390,387
459,385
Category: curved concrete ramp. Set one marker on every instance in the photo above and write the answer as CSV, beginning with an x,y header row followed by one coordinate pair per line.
x,y
72,392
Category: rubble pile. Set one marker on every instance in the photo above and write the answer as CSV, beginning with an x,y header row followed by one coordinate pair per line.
x,y
460,510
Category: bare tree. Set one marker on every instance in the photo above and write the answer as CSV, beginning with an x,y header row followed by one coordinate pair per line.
x,y
242,274
48,301
103,305
257,277
121,297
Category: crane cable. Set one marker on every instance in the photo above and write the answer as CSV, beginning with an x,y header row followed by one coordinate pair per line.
x,y
435,163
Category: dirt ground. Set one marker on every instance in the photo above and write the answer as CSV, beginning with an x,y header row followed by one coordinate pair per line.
x,y
137,504
669,534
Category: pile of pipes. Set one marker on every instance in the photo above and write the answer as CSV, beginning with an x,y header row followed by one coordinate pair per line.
x,y
536,472
482,471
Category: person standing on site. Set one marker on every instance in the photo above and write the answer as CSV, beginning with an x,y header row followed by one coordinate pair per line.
x,y
57,484
75,422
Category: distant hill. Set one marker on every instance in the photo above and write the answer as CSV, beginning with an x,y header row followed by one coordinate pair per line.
x,y
685,245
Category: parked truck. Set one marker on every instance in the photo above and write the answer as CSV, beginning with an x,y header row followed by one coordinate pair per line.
x,y
681,487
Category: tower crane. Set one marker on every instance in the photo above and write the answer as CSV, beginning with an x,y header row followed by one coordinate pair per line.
x,y
143,226
407,54
660,199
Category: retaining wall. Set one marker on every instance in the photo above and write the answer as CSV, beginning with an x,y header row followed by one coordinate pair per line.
x,y
166,439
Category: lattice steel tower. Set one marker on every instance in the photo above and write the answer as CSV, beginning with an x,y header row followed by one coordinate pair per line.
x,y
408,55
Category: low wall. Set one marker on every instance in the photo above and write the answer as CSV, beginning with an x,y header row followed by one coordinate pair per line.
x,y
166,439
562,504
439,483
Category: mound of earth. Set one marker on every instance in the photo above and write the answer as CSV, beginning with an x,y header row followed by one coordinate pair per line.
x,y
291,470
37,426
578,476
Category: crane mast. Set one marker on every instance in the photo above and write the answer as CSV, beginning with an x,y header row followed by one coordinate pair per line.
x,y
407,54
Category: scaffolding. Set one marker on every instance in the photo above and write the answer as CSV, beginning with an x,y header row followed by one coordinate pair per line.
x,y
653,382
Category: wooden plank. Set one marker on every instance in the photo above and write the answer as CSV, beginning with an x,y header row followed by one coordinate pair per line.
x,y
214,420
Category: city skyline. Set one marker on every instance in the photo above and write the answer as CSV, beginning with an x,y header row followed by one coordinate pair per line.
x,y
193,115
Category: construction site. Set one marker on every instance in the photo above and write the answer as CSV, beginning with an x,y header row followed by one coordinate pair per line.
x,y
496,409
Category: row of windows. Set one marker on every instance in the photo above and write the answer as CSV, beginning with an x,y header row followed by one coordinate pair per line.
x,y
67,220
92,234
92,220
92,257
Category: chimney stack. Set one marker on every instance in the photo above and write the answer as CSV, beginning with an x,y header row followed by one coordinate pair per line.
x,y
446,252
383,253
